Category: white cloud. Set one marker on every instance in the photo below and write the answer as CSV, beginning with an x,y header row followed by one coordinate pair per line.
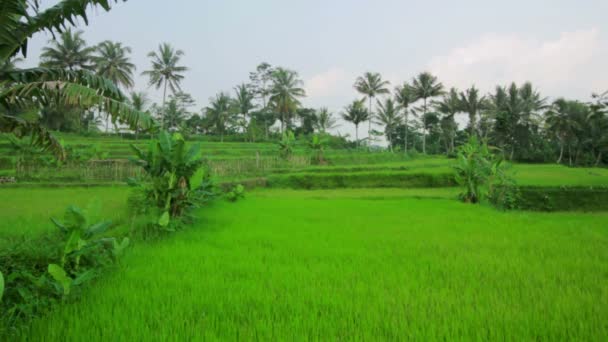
x,y
570,65
325,84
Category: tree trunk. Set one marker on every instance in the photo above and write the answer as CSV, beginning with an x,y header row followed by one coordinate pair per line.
x,y
452,143
357,135
561,153
599,158
369,129
424,128
405,133
162,117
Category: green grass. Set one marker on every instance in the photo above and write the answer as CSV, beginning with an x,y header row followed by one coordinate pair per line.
x,y
27,211
353,264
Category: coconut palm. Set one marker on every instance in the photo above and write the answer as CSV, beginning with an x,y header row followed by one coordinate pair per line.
x,y
325,120
356,113
243,101
112,62
166,71
219,113
371,85
448,106
424,87
388,116
404,97
69,52
472,104
532,106
285,92
560,124
139,101
52,85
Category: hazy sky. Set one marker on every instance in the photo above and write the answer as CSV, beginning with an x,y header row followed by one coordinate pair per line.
x,y
559,45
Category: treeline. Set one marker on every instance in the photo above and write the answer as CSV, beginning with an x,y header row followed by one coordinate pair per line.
x,y
419,115
523,125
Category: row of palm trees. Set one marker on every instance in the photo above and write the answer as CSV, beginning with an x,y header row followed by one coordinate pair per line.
x,y
424,87
515,118
111,60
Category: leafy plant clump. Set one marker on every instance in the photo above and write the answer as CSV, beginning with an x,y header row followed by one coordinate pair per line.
x,y
317,146
286,145
483,175
176,179
41,273
237,193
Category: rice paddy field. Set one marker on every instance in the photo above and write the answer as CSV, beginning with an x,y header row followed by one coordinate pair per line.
x,y
354,264
368,247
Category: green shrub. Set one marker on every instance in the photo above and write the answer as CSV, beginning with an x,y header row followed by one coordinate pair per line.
x,y
482,174
175,178
237,193
51,268
286,145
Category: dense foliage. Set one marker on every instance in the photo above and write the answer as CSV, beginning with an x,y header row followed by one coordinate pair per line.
x,y
175,178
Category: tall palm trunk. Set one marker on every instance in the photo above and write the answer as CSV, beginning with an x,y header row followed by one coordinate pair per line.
x,y
405,133
599,158
162,118
424,128
357,134
561,152
369,129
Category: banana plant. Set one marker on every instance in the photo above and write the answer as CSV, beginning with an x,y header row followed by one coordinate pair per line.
x,y
173,172
80,239
317,146
286,145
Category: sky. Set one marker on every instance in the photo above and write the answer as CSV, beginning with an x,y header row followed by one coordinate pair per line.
x,y
561,46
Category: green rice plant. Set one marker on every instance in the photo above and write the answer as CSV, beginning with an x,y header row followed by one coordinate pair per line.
x,y
353,264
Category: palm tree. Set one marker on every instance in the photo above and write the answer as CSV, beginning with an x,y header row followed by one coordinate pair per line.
x,y
448,107
53,85
560,124
112,62
325,120
388,115
244,102
219,113
371,85
285,92
70,52
532,104
166,71
424,87
404,97
471,103
356,113
139,101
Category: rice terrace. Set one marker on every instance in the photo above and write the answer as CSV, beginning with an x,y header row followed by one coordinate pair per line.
x,y
138,203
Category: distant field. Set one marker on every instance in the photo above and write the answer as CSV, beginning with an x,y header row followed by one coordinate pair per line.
x,y
353,264
27,211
